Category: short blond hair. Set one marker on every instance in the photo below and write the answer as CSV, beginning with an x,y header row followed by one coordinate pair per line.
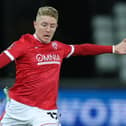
x,y
47,11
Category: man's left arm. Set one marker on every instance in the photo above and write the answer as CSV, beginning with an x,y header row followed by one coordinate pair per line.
x,y
93,49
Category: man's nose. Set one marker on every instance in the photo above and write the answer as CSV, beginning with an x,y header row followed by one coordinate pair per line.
x,y
48,28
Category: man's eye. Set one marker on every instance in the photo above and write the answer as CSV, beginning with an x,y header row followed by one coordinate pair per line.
x,y
53,26
44,25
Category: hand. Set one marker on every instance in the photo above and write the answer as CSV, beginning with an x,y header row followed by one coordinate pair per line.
x,y
120,48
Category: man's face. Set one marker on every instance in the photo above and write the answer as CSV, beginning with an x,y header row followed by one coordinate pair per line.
x,y
45,28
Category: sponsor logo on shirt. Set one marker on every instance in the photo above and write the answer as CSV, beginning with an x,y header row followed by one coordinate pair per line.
x,y
48,59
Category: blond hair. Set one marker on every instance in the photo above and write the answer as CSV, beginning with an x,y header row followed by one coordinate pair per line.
x,y
47,11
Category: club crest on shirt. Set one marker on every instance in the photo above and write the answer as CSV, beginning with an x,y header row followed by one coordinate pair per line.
x,y
54,45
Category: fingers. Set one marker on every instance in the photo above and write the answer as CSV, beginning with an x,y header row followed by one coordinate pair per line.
x,y
124,40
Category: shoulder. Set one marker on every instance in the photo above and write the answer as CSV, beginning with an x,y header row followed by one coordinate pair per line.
x,y
24,40
22,43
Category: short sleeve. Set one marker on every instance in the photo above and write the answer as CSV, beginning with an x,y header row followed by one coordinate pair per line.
x,y
17,49
68,50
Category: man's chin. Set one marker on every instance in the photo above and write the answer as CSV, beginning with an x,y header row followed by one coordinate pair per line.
x,y
46,42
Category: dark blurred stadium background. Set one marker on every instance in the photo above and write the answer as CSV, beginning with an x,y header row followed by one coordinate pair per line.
x,y
92,21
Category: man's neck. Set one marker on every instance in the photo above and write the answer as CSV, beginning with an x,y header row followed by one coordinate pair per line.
x,y
36,37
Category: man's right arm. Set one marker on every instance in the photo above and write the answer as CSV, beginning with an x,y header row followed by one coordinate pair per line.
x,y
15,50
4,60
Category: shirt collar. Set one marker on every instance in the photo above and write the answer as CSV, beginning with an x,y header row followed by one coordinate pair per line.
x,y
35,36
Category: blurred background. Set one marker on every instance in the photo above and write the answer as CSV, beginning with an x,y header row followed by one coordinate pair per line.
x,y
90,79
98,22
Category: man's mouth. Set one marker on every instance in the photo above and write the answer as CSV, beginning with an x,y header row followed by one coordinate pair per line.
x,y
46,36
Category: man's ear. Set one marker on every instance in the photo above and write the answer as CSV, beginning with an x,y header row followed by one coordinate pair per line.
x,y
34,24
57,26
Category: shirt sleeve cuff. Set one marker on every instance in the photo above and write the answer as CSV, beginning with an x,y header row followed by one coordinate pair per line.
x,y
113,49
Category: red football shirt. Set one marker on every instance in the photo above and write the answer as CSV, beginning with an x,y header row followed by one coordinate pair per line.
x,y
37,70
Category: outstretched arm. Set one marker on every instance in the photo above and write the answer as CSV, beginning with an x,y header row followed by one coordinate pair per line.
x,y
93,49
